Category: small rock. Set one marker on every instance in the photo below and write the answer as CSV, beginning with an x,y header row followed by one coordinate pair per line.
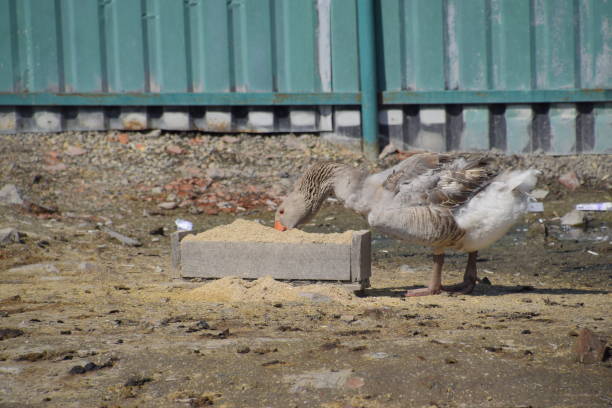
x,y
137,381
174,149
157,231
219,334
285,328
293,142
86,353
34,356
91,367
8,235
55,167
354,383
38,209
378,355
75,151
347,318
43,243
123,138
539,194
272,362
217,173
200,325
406,269
52,157
89,267
573,218
263,351
168,205
7,333
230,139
77,370
9,195
330,345
35,268
191,171
122,238
589,348
318,379
153,133
570,180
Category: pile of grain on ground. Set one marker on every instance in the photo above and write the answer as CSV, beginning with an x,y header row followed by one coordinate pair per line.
x,y
265,289
250,231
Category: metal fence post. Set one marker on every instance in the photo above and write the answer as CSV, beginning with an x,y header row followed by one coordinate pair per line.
x,y
368,77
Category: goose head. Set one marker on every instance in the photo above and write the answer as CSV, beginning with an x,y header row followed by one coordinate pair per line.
x,y
292,212
304,201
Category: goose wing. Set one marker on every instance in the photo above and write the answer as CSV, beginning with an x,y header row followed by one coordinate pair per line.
x,y
438,179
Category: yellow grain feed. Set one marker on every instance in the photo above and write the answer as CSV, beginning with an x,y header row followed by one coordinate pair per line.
x,y
251,231
265,289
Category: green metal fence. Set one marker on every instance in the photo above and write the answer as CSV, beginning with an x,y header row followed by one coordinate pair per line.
x,y
518,75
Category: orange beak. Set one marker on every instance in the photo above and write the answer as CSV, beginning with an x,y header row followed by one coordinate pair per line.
x,y
279,226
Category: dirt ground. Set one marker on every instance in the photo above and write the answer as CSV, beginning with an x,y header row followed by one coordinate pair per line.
x,y
86,321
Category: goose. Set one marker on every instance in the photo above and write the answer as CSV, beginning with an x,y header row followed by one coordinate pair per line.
x,y
430,199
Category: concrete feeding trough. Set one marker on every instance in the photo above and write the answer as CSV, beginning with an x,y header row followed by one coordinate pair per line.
x,y
291,255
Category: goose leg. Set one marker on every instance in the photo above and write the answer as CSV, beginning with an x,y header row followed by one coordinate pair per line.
x,y
469,278
435,285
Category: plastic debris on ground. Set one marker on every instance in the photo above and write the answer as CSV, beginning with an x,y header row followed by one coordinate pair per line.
x,y
183,225
594,206
535,207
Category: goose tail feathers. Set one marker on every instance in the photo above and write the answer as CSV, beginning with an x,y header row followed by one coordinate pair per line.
x,y
520,181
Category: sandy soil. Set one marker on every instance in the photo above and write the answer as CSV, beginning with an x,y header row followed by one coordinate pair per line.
x,y
99,324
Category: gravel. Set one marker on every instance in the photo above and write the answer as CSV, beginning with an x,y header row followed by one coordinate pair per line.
x,y
206,173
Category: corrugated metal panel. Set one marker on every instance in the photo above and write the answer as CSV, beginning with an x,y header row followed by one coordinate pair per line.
x,y
507,52
159,46
111,46
496,45
510,38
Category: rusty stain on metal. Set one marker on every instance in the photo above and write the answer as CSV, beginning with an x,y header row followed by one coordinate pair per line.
x,y
255,130
218,126
133,124
8,124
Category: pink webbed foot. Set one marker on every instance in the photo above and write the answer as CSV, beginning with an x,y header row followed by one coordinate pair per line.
x,y
422,292
434,287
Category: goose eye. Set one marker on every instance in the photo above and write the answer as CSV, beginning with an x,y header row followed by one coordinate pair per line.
x,y
281,212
